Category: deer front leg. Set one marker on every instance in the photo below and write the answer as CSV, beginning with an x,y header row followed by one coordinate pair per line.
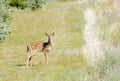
x,y
46,57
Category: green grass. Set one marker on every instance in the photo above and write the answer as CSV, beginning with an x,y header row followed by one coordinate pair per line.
x,y
29,26
66,59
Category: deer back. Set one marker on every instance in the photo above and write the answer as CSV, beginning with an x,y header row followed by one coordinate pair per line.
x,y
33,47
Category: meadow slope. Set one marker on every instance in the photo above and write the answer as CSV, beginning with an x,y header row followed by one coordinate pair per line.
x,y
31,26
73,35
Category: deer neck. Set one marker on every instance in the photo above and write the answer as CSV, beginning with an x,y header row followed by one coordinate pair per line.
x,y
49,42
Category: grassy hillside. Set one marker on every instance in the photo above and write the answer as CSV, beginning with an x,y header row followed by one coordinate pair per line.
x,y
67,61
29,26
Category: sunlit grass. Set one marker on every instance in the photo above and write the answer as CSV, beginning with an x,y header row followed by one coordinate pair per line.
x,y
29,26
66,60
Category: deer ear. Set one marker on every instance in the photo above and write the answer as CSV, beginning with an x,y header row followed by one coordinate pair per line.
x,y
46,34
53,34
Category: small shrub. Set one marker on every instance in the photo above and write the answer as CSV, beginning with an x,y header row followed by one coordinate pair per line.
x,y
33,4
18,3
4,20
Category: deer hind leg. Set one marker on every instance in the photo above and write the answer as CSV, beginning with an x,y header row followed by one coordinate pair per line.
x,y
29,57
46,57
27,63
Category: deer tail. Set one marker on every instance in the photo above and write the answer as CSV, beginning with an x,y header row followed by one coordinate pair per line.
x,y
27,48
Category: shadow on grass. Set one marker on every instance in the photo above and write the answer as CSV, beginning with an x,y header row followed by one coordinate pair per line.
x,y
33,64
20,65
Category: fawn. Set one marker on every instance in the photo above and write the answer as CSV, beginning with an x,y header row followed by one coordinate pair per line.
x,y
44,47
